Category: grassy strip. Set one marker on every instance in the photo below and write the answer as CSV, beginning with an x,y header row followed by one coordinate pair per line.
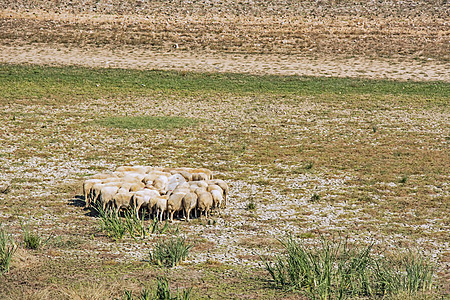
x,y
19,82
338,271
147,122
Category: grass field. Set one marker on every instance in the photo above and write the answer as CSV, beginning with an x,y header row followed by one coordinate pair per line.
x,y
304,156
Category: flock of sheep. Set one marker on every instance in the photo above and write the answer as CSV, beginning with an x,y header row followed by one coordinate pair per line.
x,y
157,190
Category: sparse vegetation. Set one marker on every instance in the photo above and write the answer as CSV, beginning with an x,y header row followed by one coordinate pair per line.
x,y
315,197
251,205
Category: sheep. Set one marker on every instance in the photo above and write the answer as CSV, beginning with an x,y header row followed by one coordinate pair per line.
x,y
182,188
199,176
204,203
161,184
96,190
143,198
133,177
135,169
122,200
174,204
104,176
106,195
188,203
217,197
186,175
174,181
161,206
208,173
224,186
150,177
136,186
87,185
200,190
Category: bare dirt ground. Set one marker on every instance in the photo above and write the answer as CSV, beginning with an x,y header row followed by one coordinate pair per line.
x,y
139,58
403,40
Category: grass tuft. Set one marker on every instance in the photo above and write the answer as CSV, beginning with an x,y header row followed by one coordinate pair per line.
x,y
251,205
315,197
170,252
32,240
7,250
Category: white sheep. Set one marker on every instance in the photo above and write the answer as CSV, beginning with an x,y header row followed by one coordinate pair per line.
x,y
189,203
135,169
217,197
122,200
224,186
161,206
204,203
174,181
199,176
142,198
161,184
174,204
106,195
87,186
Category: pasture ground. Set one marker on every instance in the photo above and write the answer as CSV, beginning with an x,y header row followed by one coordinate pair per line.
x,y
314,156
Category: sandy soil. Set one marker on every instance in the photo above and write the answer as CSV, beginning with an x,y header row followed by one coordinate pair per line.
x,y
141,58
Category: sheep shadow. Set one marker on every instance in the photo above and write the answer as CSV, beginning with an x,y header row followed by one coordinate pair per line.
x,y
79,201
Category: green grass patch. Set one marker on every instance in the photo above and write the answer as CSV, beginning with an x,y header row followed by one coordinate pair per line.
x,y
71,83
147,122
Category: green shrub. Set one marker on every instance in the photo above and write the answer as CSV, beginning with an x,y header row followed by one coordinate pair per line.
x,y
7,250
170,252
